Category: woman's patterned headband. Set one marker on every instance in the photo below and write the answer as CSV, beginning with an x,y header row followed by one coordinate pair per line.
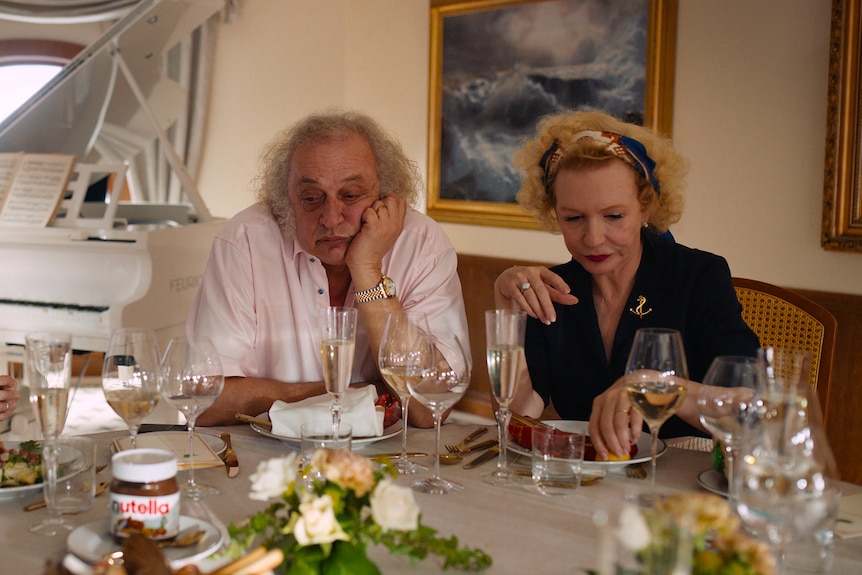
x,y
627,149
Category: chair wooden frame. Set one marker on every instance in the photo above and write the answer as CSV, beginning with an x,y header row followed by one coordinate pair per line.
x,y
793,318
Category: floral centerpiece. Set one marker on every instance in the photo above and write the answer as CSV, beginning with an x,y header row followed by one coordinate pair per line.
x,y
693,533
326,515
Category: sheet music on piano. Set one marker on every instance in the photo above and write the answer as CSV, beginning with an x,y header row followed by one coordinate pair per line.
x,y
105,263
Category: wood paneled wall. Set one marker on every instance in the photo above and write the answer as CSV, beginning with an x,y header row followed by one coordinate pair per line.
x,y
844,427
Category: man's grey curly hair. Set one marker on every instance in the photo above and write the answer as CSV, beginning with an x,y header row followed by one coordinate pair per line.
x,y
398,174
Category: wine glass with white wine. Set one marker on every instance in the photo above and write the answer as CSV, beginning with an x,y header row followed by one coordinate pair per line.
x,y
406,352
193,379
504,330
655,378
337,326
48,364
131,376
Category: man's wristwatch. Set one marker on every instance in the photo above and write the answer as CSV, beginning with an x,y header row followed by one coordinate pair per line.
x,y
384,289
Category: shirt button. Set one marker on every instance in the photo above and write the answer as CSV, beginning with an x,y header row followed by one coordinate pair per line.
x,y
312,260
320,291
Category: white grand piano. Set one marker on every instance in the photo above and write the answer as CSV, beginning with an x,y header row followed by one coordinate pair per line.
x,y
105,264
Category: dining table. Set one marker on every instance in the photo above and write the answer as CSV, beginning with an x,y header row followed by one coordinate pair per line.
x,y
522,530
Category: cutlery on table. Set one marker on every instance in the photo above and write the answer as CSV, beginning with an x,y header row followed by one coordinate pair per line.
x,y
456,457
487,456
256,420
636,471
229,456
100,488
398,455
530,421
460,447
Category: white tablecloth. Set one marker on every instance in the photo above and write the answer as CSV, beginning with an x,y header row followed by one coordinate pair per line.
x,y
524,532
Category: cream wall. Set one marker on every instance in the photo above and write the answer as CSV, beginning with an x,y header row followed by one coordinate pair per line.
x,y
749,112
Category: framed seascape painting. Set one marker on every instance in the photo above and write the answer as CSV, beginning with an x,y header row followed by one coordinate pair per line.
x,y
497,66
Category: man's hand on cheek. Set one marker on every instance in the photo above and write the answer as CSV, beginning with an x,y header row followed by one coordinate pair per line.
x,y
381,224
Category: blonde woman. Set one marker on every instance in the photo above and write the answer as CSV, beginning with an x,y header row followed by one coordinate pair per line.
x,y
612,189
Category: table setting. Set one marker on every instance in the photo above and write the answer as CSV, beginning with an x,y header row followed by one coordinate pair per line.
x,y
501,504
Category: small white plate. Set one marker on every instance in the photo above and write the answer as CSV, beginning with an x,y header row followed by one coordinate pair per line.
x,y
713,481
388,432
21,490
643,454
90,542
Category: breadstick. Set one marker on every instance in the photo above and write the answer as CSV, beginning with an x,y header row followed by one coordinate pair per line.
x,y
266,563
234,566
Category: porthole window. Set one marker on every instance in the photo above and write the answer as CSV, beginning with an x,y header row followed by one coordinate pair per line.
x,y
26,66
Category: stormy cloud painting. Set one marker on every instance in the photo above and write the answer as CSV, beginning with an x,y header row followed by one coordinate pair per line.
x,y
504,68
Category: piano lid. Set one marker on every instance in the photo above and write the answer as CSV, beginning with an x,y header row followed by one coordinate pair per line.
x,y
113,99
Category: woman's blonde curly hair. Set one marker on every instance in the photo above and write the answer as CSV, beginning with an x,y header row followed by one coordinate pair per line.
x,y
398,175
539,201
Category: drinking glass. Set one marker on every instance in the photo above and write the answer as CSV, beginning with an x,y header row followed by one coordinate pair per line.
x,y
440,388
131,376
656,372
785,484
726,400
337,344
504,333
406,353
48,364
193,380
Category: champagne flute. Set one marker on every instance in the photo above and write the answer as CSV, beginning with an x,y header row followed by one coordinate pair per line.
x,y
131,376
48,363
504,330
337,344
726,401
656,372
440,388
192,380
406,352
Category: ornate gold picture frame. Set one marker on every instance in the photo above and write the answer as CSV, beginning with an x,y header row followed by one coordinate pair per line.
x,y
505,62
842,190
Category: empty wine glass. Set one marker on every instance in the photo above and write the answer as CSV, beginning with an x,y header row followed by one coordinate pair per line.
x,y
48,364
193,380
504,331
656,372
337,344
726,400
131,376
406,352
440,388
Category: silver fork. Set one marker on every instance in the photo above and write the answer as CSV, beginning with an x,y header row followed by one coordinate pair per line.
x,y
452,448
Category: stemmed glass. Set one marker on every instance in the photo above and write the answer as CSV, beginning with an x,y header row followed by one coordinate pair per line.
x,y
726,401
439,389
192,380
656,372
337,344
48,361
785,485
504,331
406,353
131,376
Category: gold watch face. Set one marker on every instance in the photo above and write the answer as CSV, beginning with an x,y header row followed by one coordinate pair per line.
x,y
388,286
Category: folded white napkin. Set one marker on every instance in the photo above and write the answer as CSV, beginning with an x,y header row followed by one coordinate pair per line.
x,y
358,410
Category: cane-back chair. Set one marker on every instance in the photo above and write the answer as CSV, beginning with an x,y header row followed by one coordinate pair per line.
x,y
782,318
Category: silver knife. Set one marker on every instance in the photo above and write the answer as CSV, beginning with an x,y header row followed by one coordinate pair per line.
x,y
479,446
229,456
487,456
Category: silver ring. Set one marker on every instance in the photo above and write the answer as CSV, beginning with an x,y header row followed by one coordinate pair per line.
x,y
525,286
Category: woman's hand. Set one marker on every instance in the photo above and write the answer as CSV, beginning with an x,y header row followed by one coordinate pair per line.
x,y
534,289
8,396
614,425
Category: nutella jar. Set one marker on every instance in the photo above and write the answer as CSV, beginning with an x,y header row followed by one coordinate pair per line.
x,y
145,496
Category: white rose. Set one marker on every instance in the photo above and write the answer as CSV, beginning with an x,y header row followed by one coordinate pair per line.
x,y
273,477
394,507
633,531
317,523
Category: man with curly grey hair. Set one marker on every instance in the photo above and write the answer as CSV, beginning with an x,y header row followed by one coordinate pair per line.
x,y
333,227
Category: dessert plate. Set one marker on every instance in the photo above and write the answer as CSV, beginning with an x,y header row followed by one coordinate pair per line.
x,y
713,481
91,541
22,490
643,453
